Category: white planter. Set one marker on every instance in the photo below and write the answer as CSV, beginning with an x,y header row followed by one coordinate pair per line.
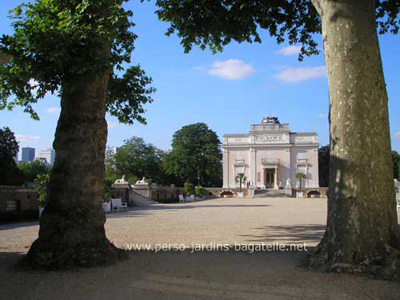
x,y
240,194
107,207
299,195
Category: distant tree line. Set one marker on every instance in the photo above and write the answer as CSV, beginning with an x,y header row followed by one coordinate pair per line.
x,y
324,158
195,158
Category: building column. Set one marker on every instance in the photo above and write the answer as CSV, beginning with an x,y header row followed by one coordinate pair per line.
x,y
225,165
276,178
253,167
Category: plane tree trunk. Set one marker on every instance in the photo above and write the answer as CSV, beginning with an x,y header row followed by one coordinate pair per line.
x,y
72,225
362,233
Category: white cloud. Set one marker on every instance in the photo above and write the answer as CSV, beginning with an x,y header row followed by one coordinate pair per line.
x,y
35,86
26,138
396,136
301,74
53,110
289,51
231,69
114,125
322,116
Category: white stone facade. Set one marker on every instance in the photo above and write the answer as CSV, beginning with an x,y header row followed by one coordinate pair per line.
x,y
270,155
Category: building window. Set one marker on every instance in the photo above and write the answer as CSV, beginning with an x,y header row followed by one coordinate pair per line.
x,y
12,205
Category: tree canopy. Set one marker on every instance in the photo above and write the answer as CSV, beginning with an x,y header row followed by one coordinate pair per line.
x,y
31,170
9,147
195,156
56,43
136,159
214,24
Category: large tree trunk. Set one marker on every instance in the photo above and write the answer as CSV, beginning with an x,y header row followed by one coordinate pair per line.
x,y
362,232
72,225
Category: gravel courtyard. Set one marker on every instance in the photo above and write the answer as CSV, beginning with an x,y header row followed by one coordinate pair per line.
x,y
201,274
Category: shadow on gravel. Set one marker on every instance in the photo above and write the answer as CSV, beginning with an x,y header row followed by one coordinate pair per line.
x,y
296,233
140,211
18,224
198,275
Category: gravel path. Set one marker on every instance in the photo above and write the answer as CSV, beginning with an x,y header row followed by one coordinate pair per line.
x,y
201,274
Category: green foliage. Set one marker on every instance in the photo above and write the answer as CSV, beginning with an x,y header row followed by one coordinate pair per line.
x,y
127,95
323,165
9,174
107,189
31,170
8,148
214,24
241,179
188,189
300,176
199,191
136,159
41,183
56,43
195,155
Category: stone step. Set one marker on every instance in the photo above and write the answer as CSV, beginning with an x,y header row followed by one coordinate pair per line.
x,y
139,200
272,194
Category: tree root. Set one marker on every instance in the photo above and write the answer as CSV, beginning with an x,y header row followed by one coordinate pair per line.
x,y
64,257
378,267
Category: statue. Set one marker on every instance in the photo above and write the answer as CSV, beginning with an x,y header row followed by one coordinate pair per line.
x,y
121,181
143,181
288,185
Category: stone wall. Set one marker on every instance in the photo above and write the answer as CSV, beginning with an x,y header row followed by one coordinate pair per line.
x,y
308,192
18,202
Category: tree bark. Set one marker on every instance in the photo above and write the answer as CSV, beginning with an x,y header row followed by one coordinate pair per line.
x,y
72,225
362,232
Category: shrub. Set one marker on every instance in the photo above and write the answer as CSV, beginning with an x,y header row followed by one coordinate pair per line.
x,y
107,189
41,183
188,189
199,191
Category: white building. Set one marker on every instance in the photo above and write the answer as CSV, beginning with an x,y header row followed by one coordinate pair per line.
x,y
270,155
48,154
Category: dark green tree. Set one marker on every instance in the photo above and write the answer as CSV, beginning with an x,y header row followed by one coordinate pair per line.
x,y
362,232
31,170
77,49
138,159
195,156
323,165
9,147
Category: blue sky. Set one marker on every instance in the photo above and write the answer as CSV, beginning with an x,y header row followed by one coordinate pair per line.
x,y
228,91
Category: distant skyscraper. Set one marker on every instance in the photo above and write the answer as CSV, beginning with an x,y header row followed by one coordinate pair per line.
x,y
48,154
28,154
